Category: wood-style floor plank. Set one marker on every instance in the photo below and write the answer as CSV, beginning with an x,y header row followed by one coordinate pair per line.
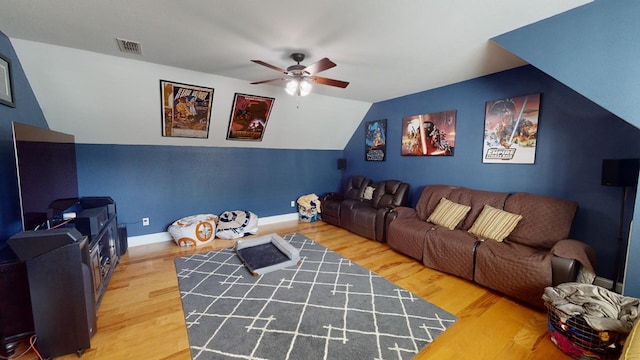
x,y
141,317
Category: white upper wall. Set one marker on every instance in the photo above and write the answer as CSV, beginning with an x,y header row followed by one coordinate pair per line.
x,y
103,99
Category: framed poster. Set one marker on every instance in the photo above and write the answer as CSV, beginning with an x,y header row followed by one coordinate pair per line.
x,y
6,86
429,134
186,109
375,140
249,116
511,130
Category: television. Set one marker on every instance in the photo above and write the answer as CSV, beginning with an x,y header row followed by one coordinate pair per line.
x,y
47,173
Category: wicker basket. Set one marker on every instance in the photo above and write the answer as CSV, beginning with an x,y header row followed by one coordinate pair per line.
x,y
584,340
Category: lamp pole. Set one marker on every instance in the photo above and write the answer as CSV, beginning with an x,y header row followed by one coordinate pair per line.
x,y
619,239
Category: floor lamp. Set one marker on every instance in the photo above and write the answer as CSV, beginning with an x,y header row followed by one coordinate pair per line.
x,y
621,173
618,260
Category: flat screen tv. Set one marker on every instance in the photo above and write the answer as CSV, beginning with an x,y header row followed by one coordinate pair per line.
x,y
47,173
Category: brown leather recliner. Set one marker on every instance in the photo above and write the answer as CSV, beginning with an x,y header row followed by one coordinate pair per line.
x,y
367,218
331,203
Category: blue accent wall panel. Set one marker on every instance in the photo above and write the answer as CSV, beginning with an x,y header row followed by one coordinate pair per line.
x,y
166,183
574,136
593,49
26,111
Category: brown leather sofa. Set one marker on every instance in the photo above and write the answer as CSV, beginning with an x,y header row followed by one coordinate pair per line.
x,y
331,203
365,214
534,255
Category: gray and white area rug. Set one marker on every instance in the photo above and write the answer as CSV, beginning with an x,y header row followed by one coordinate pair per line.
x,y
327,307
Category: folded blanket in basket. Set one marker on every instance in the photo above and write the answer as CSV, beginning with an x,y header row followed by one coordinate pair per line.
x,y
309,201
602,309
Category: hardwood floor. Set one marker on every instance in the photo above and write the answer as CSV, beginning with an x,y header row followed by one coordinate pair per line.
x,y
141,313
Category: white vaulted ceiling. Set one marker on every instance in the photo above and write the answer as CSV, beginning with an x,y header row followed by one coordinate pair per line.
x,y
385,49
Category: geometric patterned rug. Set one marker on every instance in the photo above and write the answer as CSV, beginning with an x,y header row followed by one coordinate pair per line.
x,y
327,307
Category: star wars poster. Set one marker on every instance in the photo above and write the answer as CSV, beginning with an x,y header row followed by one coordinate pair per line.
x,y
249,117
429,134
511,129
375,138
186,109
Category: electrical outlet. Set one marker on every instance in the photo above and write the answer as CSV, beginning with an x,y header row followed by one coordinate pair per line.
x,y
145,221
293,203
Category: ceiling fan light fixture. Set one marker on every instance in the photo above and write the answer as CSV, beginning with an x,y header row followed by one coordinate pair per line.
x,y
292,87
298,87
299,78
305,87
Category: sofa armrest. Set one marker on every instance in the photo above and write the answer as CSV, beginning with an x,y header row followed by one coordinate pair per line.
x,y
399,212
382,222
563,270
572,255
331,196
403,212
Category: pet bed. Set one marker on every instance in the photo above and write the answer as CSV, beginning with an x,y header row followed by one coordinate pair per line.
x,y
266,253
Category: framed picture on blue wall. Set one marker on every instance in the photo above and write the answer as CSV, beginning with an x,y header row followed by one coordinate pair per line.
x,y
431,134
6,86
375,139
511,130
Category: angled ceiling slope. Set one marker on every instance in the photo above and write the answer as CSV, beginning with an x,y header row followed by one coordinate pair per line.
x,y
385,49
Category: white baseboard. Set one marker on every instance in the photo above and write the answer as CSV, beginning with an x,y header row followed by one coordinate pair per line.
x,y
164,236
277,219
148,239
607,284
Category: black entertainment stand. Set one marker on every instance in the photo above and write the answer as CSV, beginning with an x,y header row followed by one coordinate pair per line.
x,y
78,254
98,221
96,218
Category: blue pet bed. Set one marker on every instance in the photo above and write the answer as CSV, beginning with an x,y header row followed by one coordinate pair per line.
x,y
266,253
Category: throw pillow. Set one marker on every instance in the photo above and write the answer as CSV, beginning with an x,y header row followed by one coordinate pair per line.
x,y
368,193
448,214
494,223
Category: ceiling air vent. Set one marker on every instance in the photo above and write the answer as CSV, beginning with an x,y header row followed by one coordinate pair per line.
x,y
130,47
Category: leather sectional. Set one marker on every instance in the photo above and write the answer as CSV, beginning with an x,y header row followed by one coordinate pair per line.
x,y
535,254
363,207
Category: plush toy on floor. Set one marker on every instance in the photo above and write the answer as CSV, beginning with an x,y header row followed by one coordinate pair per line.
x,y
236,224
195,230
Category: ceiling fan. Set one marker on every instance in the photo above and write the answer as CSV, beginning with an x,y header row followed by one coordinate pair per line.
x,y
299,77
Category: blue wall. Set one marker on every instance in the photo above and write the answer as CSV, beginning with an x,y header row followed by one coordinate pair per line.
x,y
166,183
594,50
26,111
590,49
574,136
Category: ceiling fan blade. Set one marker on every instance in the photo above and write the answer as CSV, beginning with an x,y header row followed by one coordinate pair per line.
x,y
266,81
330,82
260,62
318,66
